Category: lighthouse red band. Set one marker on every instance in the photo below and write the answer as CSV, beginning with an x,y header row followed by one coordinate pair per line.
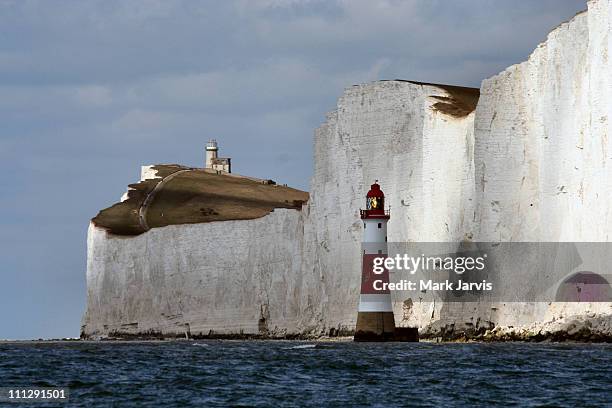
x,y
375,320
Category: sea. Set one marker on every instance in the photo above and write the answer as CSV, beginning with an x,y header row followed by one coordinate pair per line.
x,y
309,374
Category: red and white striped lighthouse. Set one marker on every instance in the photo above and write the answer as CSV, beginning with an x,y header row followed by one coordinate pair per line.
x,y
375,320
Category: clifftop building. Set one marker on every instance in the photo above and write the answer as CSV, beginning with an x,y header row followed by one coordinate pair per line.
x,y
216,163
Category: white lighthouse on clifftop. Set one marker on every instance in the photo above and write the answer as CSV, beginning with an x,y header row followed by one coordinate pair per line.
x,y
223,164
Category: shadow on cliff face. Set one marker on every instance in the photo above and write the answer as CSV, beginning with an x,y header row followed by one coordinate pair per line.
x,y
476,315
459,316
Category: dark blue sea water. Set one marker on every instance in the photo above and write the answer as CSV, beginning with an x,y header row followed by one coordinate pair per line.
x,y
283,373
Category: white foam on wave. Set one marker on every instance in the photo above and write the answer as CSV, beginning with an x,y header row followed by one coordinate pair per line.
x,y
302,346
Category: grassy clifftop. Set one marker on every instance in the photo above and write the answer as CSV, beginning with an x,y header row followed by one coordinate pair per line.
x,y
185,196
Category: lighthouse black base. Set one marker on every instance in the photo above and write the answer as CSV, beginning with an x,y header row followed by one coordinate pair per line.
x,y
380,326
375,326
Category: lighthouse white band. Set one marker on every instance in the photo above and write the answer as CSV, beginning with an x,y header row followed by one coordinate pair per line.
x,y
375,303
375,230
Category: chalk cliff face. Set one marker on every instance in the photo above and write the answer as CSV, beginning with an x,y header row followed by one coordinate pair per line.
x,y
393,131
532,162
296,272
542,152
543,158
222,277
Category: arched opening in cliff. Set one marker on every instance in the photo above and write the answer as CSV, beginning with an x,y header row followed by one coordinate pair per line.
x,y
584,286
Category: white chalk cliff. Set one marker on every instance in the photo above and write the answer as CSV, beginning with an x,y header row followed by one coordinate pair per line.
x,y
531,162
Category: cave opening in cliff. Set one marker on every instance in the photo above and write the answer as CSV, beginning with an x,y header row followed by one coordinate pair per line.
x,y
584,286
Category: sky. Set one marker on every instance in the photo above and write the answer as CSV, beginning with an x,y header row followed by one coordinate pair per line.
x,y
92,90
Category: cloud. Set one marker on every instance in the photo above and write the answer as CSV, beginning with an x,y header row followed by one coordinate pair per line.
x,y
93,95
